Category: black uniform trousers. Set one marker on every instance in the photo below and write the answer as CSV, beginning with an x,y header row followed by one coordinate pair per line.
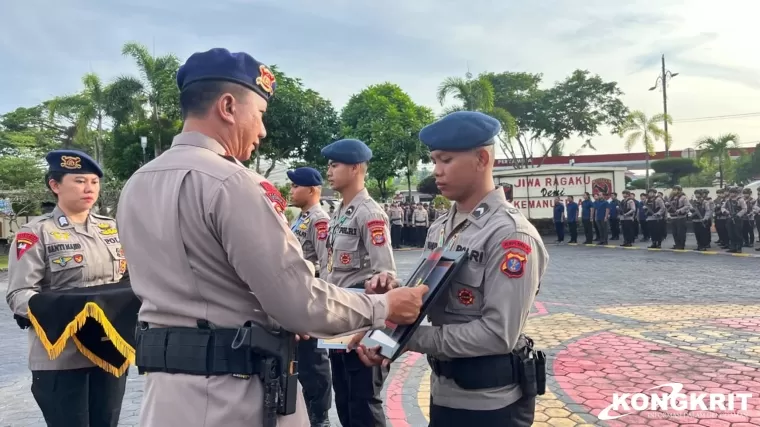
x,y
679,232
702,233
314,374
663,224
748,232
358,390
644,228
735,238
615,228
722,229
518,414
629,230
655,231
588,231
79,397
420,235
396,240
573,228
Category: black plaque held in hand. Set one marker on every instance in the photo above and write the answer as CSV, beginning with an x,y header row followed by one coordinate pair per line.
x,y
435,271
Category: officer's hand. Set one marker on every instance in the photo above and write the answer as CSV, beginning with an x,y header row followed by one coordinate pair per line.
x,y
371,356
404,304
380,283
302,337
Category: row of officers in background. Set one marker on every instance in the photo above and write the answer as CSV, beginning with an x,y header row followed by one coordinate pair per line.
x,y
410,222
734,213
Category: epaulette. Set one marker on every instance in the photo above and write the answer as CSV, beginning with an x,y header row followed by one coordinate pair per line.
x,y
99,216
39,219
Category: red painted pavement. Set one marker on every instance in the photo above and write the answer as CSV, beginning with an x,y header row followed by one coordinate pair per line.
x,y
591,369
394,408
749,324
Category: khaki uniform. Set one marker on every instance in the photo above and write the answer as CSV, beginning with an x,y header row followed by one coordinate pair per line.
x,y
487,305
206,239
421,223
56,254
396,215
311,229
357,244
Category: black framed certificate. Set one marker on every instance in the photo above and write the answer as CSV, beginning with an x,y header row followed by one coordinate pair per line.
x,y
435,271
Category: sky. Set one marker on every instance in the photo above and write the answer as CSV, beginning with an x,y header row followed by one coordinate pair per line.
x,y
338,47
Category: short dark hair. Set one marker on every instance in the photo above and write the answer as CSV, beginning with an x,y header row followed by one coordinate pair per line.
x,y
196,99
56,176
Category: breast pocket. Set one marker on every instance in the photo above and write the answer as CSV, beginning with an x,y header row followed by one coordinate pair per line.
x,y
66,268
466,291
346,254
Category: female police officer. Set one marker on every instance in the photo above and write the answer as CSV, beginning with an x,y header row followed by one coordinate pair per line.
x,y
70,247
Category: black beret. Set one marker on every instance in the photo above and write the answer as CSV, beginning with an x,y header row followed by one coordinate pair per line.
x,y
222,65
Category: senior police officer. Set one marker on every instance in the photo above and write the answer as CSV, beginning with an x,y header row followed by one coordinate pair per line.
x,y
211,279
357,248
311,230
475,345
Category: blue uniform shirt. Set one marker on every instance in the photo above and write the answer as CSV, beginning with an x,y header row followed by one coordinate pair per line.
x,y
601,209
558,209
586,205
613,204
572,212
642,212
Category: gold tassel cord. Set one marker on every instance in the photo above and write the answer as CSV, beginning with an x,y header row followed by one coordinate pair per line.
x,y
96,313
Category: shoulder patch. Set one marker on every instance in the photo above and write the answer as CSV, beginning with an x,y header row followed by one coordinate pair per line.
x,y
377,228
321,226
24,242
273,194
516,244
514,264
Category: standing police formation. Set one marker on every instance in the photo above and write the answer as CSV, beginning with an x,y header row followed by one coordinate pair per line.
x,y
222,279
357,249
485,371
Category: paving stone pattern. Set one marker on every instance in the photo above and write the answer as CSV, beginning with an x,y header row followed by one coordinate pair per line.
x,y
610,321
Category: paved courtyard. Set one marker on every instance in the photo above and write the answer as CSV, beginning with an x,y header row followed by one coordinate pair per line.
x,y
612,321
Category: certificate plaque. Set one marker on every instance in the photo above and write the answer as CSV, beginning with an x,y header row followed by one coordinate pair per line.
x,y
435,271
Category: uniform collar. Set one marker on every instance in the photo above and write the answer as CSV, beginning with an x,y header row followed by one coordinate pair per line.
x,y
309,211
61,220
494,200
196,139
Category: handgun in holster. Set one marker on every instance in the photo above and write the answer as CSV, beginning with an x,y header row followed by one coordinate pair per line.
x,y
278,370
532,370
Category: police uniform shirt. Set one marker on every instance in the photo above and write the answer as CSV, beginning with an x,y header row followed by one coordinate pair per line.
x,y
630,209
486,307
682,205
51,253
310,229
420,217
396,215
358,244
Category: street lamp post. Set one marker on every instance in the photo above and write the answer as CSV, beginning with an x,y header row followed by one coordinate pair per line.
x,y
144,145
662,80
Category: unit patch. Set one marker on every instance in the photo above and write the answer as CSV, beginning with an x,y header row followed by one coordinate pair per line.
x,y
63,221
78,258
122,266
321,227
345,259
71,162
377,228
60,235
514,264
466,297
273,194
120,252
24,241
517,244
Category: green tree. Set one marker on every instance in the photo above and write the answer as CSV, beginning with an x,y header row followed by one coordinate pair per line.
x,y
675,168
16,171
299,124
717,151
385,118
427,186
640,129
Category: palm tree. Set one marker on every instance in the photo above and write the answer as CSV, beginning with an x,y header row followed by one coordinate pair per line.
x,y
475,95
646,130
718,149
158,83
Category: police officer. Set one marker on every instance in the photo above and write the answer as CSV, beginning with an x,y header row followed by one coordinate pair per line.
x,y
700,219
720,219
734,208
396,215
311,228
627,215
655,211
209,274
680,207
357,247
748,221
71,247
420,217
475,345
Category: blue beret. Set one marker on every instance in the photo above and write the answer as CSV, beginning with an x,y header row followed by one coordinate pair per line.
x,y
305,177
222,65
460,131
348,151
72,161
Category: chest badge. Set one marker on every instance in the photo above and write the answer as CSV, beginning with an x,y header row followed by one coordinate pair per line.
x,y
465,296
514,264
108,231
345,259
78,258
62,261
60,235
122,266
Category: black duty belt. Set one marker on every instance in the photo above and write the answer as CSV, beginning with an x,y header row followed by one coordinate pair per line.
x,y
194,351
473,373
